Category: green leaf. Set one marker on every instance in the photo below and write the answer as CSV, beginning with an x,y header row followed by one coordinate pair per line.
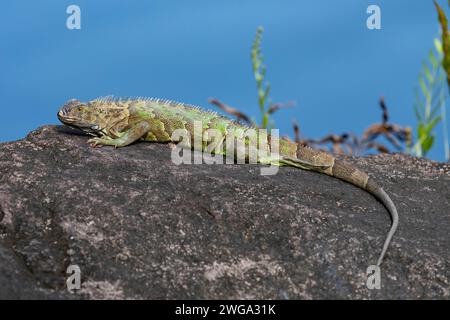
x,y
419,103
433,60
445,38
437,106
438,46
427,73
421,131
430,125
416,111
267,91
427,144
424,88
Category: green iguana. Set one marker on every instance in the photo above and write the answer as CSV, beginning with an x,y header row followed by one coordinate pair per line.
x,y
120,122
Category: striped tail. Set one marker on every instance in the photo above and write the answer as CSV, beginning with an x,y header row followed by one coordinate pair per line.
x,y
346,172
381,195
310,159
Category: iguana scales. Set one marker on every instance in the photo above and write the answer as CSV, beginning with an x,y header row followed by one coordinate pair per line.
x,y
120,122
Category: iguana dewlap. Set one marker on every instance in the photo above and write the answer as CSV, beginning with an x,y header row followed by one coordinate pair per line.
x,y
120,122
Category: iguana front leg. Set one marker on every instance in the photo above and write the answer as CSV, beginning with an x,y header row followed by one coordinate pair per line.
x,y
130,135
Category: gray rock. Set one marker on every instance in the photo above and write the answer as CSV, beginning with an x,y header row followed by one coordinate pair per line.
x,y
140,227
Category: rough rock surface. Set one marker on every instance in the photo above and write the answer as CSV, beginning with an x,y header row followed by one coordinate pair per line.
x,y
141,227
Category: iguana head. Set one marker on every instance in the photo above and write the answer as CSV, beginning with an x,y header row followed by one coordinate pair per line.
x,y
93,117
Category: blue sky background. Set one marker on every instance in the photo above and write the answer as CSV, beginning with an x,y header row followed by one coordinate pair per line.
x,y
319,54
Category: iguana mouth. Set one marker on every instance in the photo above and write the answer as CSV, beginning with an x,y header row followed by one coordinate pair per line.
x,y
70,122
